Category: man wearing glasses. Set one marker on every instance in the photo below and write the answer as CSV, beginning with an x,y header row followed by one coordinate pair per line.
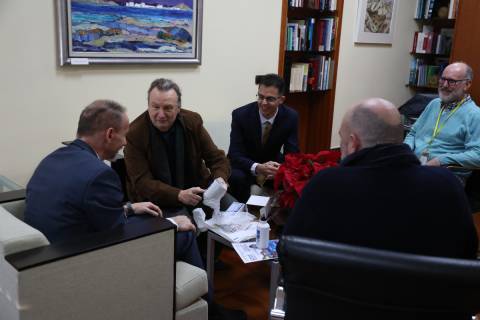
x,y
448,130
260,130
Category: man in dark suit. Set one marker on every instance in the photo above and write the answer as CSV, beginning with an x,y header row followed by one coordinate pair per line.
x,y
259,132
73,192
381,197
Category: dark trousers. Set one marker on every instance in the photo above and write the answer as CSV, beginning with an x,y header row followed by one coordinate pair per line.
x,y
240,182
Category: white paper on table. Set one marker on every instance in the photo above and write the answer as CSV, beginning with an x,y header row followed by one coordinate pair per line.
x,y
259,201
233,226
249,252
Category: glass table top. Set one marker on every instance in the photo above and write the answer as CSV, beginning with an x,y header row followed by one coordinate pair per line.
x,y
10,191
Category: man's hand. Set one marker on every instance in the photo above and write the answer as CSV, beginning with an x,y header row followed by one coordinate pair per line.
x,y
190,196
267,169
184,223
434,162
146,207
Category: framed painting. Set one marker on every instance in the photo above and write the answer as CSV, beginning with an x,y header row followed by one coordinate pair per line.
x,y
375,21
129,31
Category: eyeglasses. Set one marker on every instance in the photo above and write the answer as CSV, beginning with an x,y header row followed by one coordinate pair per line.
x,y
450,82
260,98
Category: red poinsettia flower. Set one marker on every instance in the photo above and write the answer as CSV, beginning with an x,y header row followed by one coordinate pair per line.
x,y
294,174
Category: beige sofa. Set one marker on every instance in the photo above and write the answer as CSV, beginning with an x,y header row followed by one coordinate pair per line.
x,y
125,273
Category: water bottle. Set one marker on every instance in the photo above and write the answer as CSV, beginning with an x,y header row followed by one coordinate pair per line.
x,y
263,234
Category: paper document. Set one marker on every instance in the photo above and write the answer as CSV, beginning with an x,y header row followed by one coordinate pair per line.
x,y
233,226
249,252
258,201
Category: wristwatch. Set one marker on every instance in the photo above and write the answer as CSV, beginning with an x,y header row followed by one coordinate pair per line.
x,y
128,209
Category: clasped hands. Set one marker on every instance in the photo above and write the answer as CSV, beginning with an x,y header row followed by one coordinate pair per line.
x,y
267,169
433,163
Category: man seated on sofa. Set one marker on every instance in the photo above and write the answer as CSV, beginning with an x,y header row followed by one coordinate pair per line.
x,y
169,156
448,130
259,131
73,192
381,197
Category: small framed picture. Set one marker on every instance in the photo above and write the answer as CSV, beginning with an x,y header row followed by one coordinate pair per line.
x,y
375,21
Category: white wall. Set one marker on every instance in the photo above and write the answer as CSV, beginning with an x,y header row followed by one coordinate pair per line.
x,y
40,102
367,70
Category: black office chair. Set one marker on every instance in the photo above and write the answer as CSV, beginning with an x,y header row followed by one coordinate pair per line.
x,y
325,280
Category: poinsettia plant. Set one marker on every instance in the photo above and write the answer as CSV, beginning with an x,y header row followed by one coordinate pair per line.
x,y
296,171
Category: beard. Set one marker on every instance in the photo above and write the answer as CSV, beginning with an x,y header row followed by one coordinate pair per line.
x,y
447,96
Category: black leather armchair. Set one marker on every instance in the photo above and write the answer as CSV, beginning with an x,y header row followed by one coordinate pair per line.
x,y
325,280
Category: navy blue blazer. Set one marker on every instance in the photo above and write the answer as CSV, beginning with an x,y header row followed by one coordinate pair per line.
x,y
72,192
246,136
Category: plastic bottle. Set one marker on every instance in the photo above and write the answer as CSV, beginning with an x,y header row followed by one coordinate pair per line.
x,y
263,234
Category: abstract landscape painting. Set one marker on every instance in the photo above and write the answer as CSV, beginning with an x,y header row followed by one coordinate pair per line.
x,y
132,29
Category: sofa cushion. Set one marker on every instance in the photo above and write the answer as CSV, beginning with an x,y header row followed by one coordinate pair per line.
x,y
191,284
196,311
16,235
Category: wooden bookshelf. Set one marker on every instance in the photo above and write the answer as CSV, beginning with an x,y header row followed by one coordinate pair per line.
x,y
315,107
431,45
466,46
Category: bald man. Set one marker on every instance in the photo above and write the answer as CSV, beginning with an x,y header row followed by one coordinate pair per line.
x,y
381,197
448,130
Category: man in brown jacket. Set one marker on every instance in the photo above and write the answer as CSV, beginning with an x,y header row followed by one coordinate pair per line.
x,y
170,157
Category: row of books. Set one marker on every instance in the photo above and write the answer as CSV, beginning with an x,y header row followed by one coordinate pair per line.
x,y
316,75
310,35
428,41
425,75
427,9
323,5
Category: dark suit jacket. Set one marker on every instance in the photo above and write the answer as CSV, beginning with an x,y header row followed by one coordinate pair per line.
x,y
72,192
246,136
381,197
206,160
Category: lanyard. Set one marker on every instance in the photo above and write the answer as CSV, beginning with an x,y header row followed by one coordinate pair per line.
x,y
438,126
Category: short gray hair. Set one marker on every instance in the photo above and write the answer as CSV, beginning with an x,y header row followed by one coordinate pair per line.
x,y
163,84
373,130
100,115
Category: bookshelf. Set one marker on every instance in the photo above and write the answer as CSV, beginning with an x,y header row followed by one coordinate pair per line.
x,y
432,43
308,59
465,42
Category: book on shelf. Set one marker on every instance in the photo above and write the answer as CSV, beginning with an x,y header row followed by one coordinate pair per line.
x,y
314,75
323,5
428,9
429,42
310,34
423,74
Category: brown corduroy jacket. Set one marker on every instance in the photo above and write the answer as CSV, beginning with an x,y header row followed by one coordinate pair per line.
x,y
207,161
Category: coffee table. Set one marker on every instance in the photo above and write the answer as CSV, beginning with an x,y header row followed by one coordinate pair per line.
x,y
213,237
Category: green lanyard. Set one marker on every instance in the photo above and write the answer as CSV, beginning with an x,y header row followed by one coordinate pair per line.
x,y
438,126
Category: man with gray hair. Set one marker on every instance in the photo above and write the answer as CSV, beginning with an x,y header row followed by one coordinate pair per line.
x,y
381,197
448,130
170,157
